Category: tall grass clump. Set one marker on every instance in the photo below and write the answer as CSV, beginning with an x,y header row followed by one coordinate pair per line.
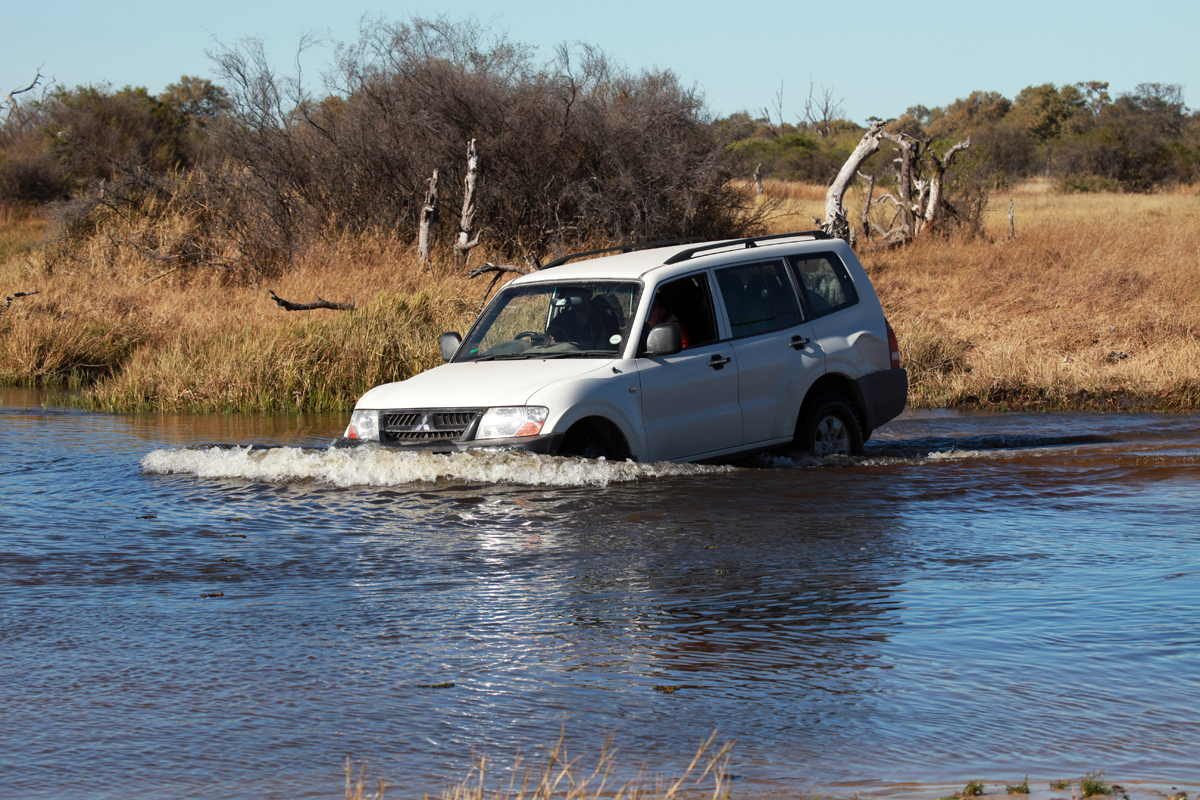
x,y
564,778
141,314
265,364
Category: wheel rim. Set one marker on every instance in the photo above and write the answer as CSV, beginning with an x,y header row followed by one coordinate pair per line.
x,y
832,437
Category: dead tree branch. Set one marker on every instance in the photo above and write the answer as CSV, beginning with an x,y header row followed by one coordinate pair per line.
x,y
10,98
500,270
8,300
835,223
866,212
321,303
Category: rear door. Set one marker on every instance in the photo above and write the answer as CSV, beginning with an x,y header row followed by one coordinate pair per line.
x,y
777,355
840,319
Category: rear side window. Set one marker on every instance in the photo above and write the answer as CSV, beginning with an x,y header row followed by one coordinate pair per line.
x,y
758,298
824,282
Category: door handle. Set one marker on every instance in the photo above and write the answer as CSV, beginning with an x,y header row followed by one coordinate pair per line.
x,y
717,361
798,342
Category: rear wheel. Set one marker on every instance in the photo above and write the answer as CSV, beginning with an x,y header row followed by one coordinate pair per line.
x,y
830,427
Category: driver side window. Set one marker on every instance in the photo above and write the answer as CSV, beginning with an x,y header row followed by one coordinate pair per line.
x,y
688,302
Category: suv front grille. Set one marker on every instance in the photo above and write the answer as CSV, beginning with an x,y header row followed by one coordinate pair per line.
x,y
423,425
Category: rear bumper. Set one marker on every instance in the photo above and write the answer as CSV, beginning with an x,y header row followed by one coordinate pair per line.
x,y
884,396
542,445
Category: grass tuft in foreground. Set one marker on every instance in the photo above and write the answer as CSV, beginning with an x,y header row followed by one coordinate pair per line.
x,y
564,778
1093,784
1018,788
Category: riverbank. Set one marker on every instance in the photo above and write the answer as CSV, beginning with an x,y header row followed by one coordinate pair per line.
x,y
1095,305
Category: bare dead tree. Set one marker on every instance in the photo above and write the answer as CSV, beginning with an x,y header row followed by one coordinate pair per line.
x,y
920,201
321,303
820,110
777,102
428,229
466,221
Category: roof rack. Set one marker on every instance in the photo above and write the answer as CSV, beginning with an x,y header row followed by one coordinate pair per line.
x,y
751,241
624,248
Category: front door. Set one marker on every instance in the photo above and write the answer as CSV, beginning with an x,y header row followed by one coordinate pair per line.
x,y
690,402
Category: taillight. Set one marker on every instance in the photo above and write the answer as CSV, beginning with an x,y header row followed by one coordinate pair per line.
x,y
893,346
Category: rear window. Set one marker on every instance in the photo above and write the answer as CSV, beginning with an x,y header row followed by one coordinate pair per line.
x,y
758,298
824,283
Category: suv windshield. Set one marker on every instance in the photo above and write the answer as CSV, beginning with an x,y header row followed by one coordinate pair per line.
x,y
555,320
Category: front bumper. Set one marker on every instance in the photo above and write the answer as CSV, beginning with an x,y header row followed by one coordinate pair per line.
x,y
542,445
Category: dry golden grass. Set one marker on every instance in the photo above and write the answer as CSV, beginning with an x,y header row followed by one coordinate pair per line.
x,y
1095,304
195,340
560,777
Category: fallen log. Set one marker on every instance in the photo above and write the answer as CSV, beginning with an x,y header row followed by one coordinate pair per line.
x,y
8,300
321,303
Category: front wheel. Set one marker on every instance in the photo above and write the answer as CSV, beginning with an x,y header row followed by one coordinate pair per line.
x,y
830,427
594,438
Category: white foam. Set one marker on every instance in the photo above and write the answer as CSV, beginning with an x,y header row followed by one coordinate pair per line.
x,y
962,455
367,466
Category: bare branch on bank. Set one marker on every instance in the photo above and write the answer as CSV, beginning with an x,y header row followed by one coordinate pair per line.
x,y
321,303
500,270
8,300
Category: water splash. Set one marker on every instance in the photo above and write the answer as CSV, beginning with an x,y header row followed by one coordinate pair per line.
x,y
367,466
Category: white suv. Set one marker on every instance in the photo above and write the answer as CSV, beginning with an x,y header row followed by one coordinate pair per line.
x,y
678,353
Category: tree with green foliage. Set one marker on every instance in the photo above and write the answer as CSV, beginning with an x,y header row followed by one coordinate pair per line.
x,y
1046,110
96,133
199,100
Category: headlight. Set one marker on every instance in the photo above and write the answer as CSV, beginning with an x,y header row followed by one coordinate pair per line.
x,y
505,422
364,425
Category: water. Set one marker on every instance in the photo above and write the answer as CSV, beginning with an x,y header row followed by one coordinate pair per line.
x,y
983,595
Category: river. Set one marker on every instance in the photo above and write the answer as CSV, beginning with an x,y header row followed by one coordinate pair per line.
x,y
219,607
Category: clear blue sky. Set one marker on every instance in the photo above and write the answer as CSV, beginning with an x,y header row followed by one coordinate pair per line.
x,y
880,57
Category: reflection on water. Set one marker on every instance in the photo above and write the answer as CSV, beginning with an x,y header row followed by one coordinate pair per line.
x,y
981,595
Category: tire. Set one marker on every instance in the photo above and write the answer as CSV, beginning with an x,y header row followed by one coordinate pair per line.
x,y
594,441
830,426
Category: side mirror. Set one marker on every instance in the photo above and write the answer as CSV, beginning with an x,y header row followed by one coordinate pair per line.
x,y
665,340
449,342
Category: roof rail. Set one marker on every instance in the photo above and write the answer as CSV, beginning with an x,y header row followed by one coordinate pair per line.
x,y
751,241
624,248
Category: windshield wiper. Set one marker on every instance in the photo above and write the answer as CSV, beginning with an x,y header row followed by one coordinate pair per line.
x,y
581,354
504,357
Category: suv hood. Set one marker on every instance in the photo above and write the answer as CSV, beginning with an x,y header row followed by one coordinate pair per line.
x,y
476,384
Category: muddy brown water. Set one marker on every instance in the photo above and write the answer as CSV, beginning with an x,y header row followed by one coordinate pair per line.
x,y
219,607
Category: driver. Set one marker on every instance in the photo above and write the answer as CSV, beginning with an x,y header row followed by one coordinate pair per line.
x,y
578,322
660,314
